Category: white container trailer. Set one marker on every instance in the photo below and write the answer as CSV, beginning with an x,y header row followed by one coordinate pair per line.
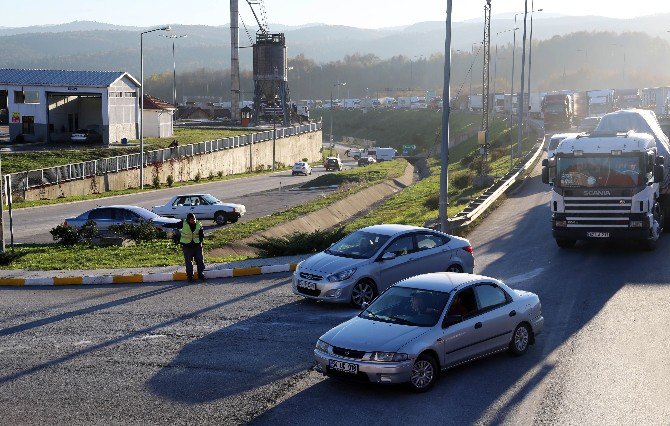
x,y
476,103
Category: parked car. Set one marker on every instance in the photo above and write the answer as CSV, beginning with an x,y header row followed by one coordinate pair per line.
x,y
104,217
366,161
426,324
301,168
203,206
332,163
366,262
86,135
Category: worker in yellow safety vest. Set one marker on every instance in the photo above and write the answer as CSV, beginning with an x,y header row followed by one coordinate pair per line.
x,y
191,237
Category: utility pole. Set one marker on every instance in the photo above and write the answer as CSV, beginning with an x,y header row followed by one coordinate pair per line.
x,y
530,59
446,107
523,77
235,62
486,80
2,222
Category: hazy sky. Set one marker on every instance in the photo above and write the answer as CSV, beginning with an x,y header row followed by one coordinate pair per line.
x,y
357,13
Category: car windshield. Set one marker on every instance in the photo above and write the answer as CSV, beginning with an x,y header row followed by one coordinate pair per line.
x,y
555,108
210,199
299,164
358,245
407,306
598,172
332,160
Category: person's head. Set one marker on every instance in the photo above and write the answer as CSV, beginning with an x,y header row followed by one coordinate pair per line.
x,y
632,166
419,302
190,218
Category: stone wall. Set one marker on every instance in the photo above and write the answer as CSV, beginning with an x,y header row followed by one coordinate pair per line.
x,y
241,159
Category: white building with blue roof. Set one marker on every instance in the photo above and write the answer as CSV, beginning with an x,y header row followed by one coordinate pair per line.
x,y
50,105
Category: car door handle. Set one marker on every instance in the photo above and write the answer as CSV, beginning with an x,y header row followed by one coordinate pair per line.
x,y
478,325
513,313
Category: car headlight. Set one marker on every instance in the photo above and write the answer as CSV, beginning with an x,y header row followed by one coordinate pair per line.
x,y
341,276
389,357
322,346
239,209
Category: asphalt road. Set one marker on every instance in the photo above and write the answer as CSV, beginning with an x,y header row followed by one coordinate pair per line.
x,y
260,194
234,351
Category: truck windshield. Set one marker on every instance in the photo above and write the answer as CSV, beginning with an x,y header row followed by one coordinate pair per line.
x,y
555,108
599,109
599,172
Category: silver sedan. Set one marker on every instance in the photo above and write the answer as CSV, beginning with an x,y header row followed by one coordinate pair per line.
x,y
367,261
426,324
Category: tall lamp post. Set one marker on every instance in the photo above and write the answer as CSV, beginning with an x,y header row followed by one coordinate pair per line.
x,y
336,84
446,106
166,28
530,58
174,67
523,79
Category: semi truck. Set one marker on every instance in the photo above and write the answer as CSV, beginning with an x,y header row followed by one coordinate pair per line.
x,y
558,110
627,98
601,102
612,183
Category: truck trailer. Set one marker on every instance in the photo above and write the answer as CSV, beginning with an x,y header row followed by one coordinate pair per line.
x,y
612,183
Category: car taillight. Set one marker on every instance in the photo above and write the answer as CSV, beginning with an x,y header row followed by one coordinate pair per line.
x,y
468,249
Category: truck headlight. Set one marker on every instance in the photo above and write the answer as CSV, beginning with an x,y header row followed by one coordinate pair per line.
x,y
388,357
636,223
341,276
561,223
322,346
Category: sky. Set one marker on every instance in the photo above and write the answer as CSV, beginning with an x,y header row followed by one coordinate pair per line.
x,y
355,13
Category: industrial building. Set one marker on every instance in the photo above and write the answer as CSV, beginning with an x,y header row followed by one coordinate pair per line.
x,y
49,105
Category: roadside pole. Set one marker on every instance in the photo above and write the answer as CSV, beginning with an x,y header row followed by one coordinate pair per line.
x,y
8,191
2,223
446,95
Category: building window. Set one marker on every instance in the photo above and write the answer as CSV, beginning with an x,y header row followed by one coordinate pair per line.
x,y
28,125
26,97
129,94
115,94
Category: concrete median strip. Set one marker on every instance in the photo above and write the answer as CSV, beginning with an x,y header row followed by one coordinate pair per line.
x,y
86,280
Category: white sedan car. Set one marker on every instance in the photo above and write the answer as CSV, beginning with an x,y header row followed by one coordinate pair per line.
x,y
301,168
203,206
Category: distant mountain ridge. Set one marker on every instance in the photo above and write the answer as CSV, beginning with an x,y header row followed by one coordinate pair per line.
x,y
102,46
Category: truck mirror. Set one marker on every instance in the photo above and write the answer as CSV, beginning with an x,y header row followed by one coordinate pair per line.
x,y
659,173
545,162
545,174
660,160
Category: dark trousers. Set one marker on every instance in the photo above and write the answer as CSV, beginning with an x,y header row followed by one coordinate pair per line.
x,y
191,253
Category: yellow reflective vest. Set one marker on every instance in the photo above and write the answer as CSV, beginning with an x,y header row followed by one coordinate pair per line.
x,y
187,236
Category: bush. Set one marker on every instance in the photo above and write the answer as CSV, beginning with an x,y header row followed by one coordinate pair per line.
x,y
88,231
65,234
7,257
197,178
462,179
169,180
211,175
156,183
432,202
141,231
305,159
219,173
298,243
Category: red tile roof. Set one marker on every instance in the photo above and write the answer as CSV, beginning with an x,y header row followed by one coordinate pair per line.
x,y
151,102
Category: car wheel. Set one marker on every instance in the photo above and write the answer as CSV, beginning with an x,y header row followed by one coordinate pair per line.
x,y
233,218
455,268
425,372
565,243
520,340
292,173
220,218
363,292
310,172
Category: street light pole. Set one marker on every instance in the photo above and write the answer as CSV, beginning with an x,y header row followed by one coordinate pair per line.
x,y
530,59
523,71
446,109
166,28
338,84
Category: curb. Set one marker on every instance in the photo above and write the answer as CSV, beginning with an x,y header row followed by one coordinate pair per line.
x,y
144,278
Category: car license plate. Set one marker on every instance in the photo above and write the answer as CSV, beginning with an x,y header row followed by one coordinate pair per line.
x,y
346,367
306,285
598,234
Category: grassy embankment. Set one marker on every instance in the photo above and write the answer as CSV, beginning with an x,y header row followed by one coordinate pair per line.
x,y
163,253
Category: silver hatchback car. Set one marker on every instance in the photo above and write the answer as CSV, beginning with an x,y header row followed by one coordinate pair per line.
x,y
367,261
428,323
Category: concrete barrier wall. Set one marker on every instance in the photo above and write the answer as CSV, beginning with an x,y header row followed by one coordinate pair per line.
x,y
243,158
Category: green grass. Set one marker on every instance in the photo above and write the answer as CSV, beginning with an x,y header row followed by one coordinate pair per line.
x,y
374,173
417,203
397,127
163,253
14,162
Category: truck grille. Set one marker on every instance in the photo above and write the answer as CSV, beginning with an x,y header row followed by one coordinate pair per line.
x,y
605,212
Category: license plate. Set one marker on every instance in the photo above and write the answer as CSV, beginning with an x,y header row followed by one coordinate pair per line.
x,y
346,367
306,285
598,234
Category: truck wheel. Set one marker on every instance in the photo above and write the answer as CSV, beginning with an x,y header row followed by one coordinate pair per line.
x,y
220,218
565,243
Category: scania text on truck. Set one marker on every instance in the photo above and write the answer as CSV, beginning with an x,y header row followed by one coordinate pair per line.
x,y
612,183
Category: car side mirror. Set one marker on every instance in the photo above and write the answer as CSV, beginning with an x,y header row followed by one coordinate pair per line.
x,y
389,255
451,320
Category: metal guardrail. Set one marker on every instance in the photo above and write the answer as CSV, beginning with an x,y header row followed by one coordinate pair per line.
x,y
55,175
